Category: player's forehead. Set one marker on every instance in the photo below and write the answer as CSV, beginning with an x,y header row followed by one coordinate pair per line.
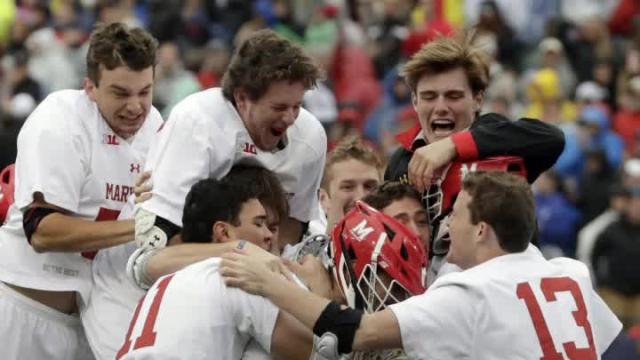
x,y
252,209
283,93
354,170
405,205
125,79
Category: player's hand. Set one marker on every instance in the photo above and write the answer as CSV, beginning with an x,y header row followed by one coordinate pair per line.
x,y
141,187
312,273
428,160
247,272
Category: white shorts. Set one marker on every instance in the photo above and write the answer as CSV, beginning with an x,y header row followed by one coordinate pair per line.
x,y
31,330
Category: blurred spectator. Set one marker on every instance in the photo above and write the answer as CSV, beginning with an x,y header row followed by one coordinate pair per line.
x,y
626,121
587,236
172,82
623,17
396,95
492,21
216,57
588,44
597,175
284,22
591,132
433,24
165,20
591,93
552,55
546,100
322,103
558,218
51,62
615,262
387,35
7,17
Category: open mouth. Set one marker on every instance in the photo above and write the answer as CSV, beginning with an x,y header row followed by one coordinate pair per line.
x,y
442,127
277,132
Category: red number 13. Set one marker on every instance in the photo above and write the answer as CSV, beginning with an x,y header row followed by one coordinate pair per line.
x,y
551,286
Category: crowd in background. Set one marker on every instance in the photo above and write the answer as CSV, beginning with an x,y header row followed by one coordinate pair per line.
x,y
572,63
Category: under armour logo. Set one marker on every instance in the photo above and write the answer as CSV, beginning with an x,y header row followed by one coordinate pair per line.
x,y
110,139
134,168
249,148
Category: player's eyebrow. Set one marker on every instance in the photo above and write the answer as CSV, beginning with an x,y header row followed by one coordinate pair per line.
x,y
120,88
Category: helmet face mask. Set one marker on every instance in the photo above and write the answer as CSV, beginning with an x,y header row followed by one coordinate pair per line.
x,y
440,196
377,261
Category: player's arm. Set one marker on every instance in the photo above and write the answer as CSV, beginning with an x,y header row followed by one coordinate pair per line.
x,y
538,143
51,228
354,329
290,338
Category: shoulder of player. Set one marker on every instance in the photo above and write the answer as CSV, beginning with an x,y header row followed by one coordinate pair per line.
x,y
571,266
204,109
307,131
59,114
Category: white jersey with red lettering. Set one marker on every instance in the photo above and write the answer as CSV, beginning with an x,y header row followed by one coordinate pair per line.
x,y
192,314
106,315
205,136
515,306
68,152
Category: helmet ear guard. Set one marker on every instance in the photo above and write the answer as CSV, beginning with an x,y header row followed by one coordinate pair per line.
x,y
7,186
376,260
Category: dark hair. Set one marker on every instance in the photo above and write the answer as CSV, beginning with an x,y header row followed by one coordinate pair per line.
x,y
115,45
263,59
390,191
505,202
209,201
263,184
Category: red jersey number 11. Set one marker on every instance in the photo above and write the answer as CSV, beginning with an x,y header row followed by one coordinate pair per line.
x,y
148,335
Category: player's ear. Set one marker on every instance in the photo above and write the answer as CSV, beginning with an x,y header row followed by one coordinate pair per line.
x,y
240,97
90,88
223,232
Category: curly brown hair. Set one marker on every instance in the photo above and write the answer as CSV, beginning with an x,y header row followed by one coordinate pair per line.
x,y
263,59
116,44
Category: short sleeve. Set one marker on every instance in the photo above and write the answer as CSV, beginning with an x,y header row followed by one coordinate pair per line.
x,y
253,316
180,157
50,158
305,206
437,324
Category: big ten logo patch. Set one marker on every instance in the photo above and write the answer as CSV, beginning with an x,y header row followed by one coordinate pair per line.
x,y
110,139
249,148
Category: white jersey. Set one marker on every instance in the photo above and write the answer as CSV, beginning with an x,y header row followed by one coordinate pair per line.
x,y
489,312
204,137
192,315
67,152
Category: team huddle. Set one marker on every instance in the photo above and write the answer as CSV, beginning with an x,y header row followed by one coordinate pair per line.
x,y
227,231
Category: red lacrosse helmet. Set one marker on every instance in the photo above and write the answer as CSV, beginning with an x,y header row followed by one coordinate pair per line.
x,y
6,191
439,198
376,260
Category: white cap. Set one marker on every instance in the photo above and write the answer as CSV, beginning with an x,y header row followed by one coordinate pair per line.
x,y
22,105
550,44
590,91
